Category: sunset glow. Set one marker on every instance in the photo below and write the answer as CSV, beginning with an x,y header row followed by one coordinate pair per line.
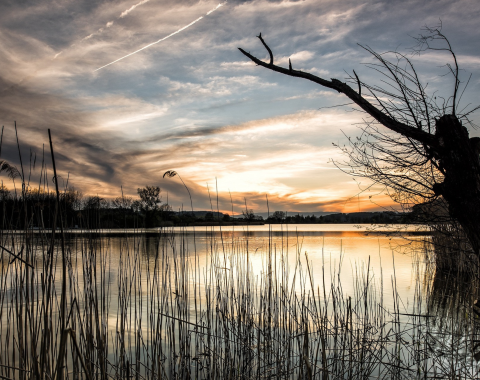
x,y
194,104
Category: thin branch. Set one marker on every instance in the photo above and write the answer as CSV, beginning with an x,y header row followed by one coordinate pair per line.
x,y
268,49
335,84
359,85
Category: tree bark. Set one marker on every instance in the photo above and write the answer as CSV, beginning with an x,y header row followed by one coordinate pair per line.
x,y
459,159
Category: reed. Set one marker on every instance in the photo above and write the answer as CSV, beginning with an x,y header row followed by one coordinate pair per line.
x,y
152,307
205,305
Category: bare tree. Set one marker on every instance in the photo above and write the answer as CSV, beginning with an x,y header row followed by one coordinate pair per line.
x,y
123,202
415,144
278,216
94,202
72,198
248,215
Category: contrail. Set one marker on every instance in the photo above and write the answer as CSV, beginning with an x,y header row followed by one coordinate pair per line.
x,y
107,25
162,39
126,12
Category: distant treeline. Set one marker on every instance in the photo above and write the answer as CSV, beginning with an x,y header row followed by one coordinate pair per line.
x,y
34,208
356,217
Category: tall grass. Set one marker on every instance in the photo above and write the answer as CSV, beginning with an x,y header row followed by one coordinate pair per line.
x,y
92,306
155,307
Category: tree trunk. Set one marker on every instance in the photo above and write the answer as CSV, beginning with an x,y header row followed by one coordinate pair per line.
x,y
459,159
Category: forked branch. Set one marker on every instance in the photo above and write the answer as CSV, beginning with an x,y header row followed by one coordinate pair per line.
x,y
384,119
266,47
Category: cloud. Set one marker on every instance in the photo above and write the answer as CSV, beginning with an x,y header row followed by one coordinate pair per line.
x,y
237,65
248,162
301,56
216,86
195,103
127,11
78,148
161,39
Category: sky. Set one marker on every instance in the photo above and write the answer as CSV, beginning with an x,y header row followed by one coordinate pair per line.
x,y
184,98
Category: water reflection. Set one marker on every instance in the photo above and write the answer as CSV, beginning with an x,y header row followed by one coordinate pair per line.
x,y
170,297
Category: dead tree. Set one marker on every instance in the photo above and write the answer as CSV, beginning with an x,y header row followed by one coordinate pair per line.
x,y
419,148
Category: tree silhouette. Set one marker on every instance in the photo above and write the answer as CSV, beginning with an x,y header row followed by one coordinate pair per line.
x,y
248,215
150,199
413,143
150,204
279,215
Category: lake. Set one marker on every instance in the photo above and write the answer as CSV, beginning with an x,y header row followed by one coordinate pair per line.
x,y
291,300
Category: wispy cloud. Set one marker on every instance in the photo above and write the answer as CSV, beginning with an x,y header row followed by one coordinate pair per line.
x,y
300,56
107,25
127,11
195,104
161,39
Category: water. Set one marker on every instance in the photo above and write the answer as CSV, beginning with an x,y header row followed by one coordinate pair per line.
x,y
331,248
173,301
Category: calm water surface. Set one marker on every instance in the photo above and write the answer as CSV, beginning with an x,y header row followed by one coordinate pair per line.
x,y
391,252
341,253
139,277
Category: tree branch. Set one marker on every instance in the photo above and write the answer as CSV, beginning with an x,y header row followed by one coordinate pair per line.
x,y
335,84
359,84
266,47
